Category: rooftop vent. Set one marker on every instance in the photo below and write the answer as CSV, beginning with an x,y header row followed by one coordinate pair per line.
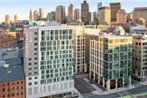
x,y
6,65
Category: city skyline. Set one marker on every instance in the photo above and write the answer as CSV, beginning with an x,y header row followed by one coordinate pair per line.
x,y
22,8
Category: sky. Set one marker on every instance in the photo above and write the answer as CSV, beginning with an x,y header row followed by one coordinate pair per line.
x,y
22,7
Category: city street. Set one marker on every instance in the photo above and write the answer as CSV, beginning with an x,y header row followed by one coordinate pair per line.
x,y
86,89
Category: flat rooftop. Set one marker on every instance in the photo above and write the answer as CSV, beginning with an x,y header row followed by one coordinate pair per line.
x,y
13,72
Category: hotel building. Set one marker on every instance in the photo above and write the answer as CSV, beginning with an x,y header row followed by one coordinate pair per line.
x,y
48,61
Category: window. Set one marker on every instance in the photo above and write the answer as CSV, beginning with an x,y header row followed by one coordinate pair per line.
x,y
30,83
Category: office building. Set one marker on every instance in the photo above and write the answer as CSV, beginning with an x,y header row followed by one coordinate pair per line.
x,y
12,79
100,4
77,15
71,13
139,57
7,19
104,15
114,9
85,12
30,16
36,15
140,12
48,61
93,19
60,14
51,16
41,13
111,60
121,16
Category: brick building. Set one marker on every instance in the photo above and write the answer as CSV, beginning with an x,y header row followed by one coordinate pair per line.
x,y
12,81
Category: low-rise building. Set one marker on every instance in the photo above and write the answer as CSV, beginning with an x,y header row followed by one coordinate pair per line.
x,y
12,80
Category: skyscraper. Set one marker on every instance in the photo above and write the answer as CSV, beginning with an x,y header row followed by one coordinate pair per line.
x,y
41,13
36,16
51,16
60,14
114,9
48,61
77,15
15,18
121,16
105,15
100,4
30,16
71,13
85,12
7,19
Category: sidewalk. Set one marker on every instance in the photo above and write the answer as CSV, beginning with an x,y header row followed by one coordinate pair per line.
x,y
112,91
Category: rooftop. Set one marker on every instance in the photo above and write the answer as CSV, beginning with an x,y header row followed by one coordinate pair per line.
x,y
11,70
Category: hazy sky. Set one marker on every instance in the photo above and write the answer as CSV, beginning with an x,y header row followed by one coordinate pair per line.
x,y
22,7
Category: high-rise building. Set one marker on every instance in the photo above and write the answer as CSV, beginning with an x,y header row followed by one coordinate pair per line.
x,y
48,61
85,12
79,50
60,14
111,61
36,15
71,13
100,4
139,57
140,12
114,9
93,18
15,18
30,16
105,15
7,19
51,16
41,13
77,15
121,16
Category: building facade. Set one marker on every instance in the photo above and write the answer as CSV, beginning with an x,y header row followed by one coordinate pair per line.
x,y
41,13
111,61
7,39
51,16
30,16
36,15
48,61
140,12
79,50
121,16
71,13
114,9
104,15
7,19
140,57
60,14
77,15
85,12
12,79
